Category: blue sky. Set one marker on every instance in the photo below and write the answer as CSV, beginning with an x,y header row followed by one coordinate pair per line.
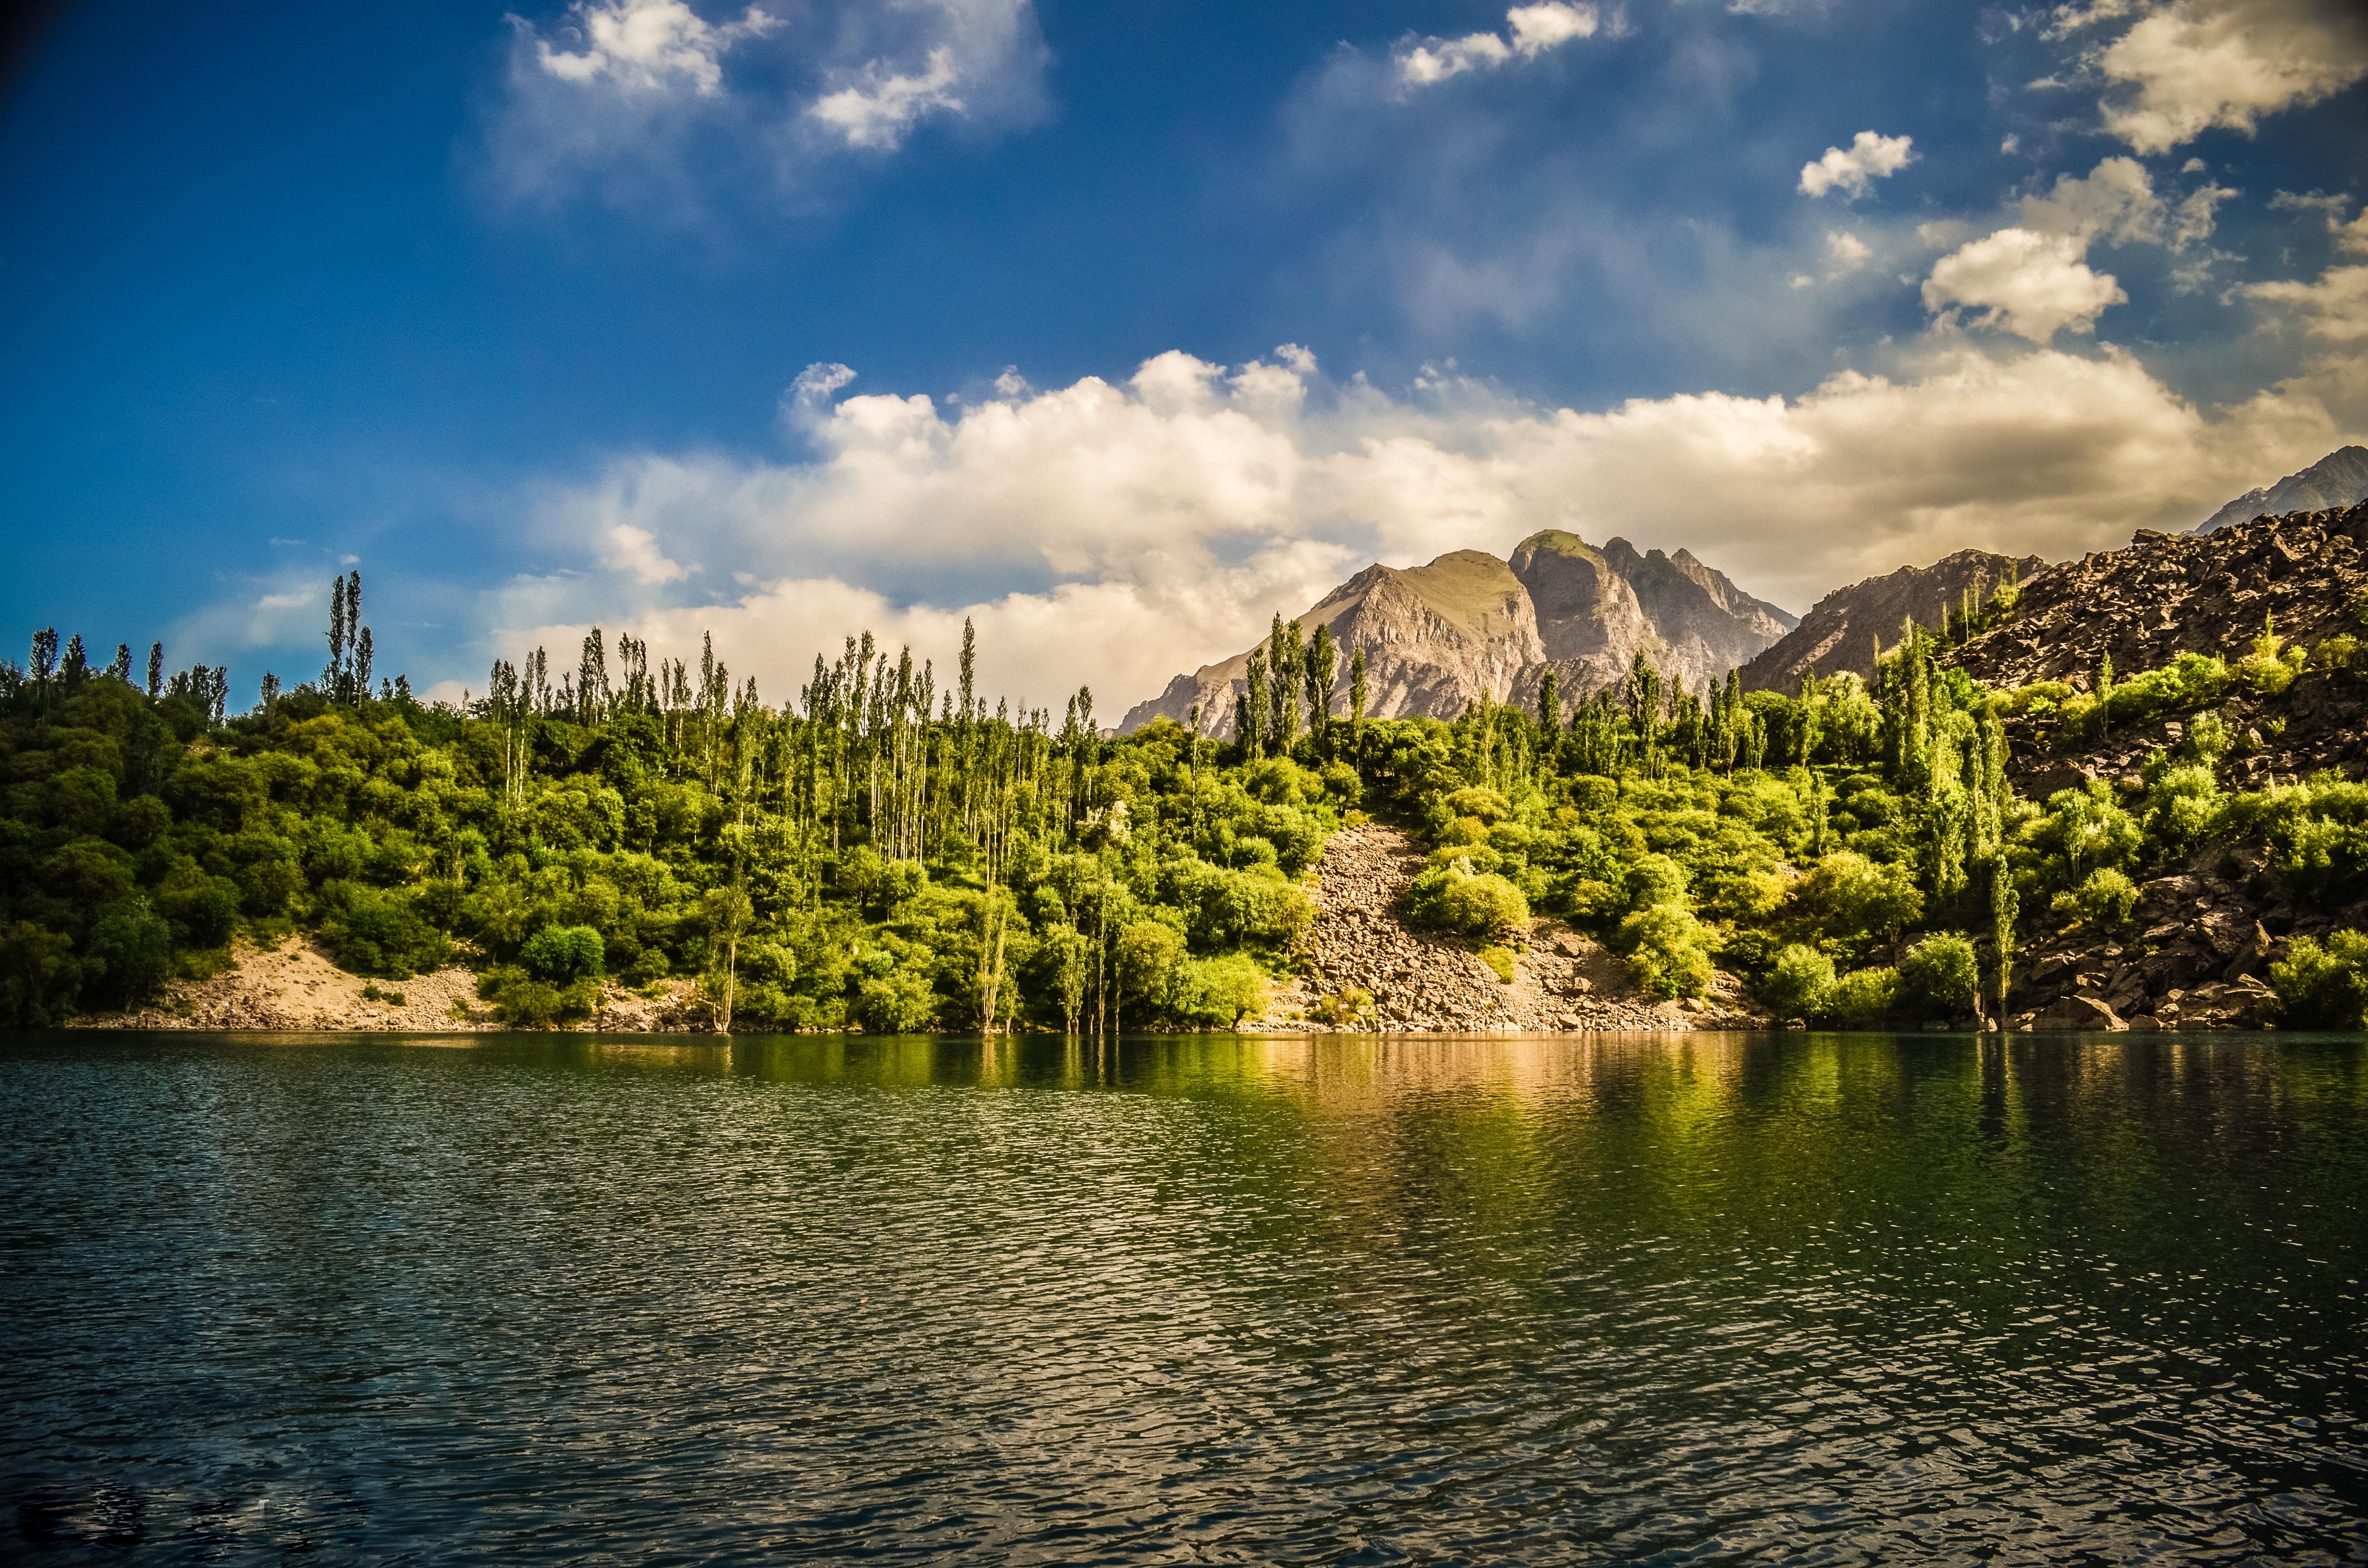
x,y
1121,326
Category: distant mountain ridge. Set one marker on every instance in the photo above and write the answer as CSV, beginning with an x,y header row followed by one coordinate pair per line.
x,y
1840,631
1469,626
2339,479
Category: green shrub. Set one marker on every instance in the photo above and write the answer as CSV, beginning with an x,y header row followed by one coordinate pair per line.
x,y
2104,900
1500,959
1453,898
39,976
2184,807
1851,898
896,1002
1938,978
563,954
374,931
1485,804
1148,952
1220,991
129,954
2323,987
1798,984
1350,1007
1655,879
529,1005
205,908
1667,951
1863,999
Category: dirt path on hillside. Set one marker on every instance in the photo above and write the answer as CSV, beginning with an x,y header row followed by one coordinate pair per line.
x,y
1560,979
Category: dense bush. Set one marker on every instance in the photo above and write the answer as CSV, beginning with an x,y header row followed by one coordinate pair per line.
x,y
1667,951
563,954
1862,999
1798,984
2104,899
2323,987
1454,898
1939,977
377,931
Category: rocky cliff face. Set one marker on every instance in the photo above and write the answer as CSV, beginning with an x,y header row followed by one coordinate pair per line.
x,y
2205,933
2339,479
1838,633
1470,625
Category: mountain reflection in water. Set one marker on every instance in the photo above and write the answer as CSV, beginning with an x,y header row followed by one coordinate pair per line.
x,y
1867,1297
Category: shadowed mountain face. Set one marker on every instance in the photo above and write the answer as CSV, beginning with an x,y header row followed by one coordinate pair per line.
x,y
1470,625
2339,479
1840,632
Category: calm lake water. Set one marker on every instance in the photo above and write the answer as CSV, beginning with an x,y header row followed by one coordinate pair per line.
x,y
1804,1298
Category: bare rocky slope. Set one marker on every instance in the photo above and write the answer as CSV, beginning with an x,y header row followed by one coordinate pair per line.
x,y
2339,479
1469,626
2205,932
1840,631
2168,594
294,987
1420,981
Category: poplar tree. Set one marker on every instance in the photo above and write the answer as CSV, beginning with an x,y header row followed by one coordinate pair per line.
x,y
155,669
2004,906
333,674
1357,701
1254,707
1322,662
1550,704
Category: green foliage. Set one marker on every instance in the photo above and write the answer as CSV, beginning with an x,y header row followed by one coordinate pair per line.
x,y
1853,899
1499,960
563,954
836,858
1862,999
1455,898
1939,976
2323,987
1220,991
39,978
1798,984
1350,1007
2317,833
1667,951
2104,899
379,931
130,953
1655,879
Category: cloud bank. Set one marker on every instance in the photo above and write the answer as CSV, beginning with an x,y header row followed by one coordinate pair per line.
x,y
1147,526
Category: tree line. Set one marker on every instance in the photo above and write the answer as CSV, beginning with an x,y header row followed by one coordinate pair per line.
x,y
887,851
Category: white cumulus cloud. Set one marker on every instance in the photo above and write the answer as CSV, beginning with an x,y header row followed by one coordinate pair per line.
x,y
647,45
2195,65
1529,31
2032,284
649,103
1850,169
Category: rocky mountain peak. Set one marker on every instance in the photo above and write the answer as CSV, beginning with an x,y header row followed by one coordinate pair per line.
x,y
1468,625
1840,631
2339,479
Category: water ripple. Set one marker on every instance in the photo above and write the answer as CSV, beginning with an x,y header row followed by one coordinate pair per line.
x,y
1800,1299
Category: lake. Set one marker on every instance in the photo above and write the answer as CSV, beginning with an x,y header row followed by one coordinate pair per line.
x,y
1689,1298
